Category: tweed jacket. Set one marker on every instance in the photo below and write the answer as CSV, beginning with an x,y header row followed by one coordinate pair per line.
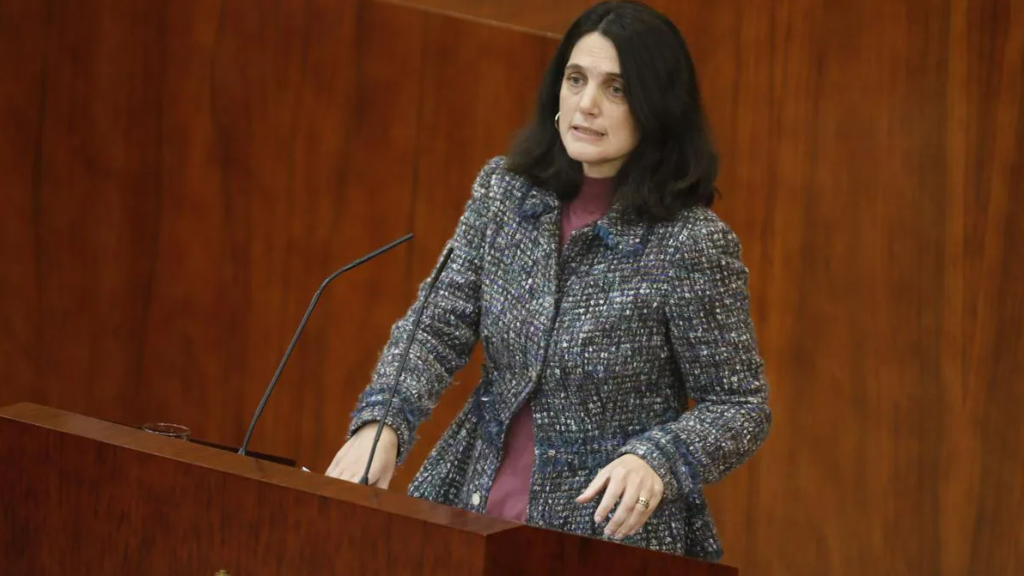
x,y
608,337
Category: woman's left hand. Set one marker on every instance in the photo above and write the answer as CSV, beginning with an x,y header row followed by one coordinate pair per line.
x,y
631,482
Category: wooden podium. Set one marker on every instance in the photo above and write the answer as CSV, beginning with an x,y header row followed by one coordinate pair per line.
x,y
84,496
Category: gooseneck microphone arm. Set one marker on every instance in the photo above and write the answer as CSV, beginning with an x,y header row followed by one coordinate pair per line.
x,y
401,365
302,326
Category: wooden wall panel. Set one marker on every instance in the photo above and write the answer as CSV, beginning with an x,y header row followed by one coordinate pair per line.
x,y
377,203
24,47
178,175
981,487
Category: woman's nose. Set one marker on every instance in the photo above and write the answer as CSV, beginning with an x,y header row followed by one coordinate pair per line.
x,y
590,100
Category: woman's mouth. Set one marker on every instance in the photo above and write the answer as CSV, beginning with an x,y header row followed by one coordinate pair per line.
x,y
585,132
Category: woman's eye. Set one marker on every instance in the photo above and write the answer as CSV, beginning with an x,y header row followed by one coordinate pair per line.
x,y
617,90
575,80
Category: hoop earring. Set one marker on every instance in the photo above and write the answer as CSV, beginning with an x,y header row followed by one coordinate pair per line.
x,y
557,127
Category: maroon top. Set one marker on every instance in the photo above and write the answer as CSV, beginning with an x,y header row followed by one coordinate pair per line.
x,y
510,491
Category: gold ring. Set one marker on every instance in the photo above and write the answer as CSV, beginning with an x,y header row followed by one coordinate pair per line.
x,y
644,502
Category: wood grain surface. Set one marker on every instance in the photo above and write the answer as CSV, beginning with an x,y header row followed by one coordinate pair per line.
x,y
180,178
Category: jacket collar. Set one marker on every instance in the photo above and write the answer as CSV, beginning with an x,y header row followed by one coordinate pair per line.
x,y
616,229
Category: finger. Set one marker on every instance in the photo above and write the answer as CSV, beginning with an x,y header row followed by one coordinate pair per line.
x,y
334,470
640,514
377,470
627,505
341,465
385,478
595,487
389,470
654,493
358,469
657,493
351,471
616,484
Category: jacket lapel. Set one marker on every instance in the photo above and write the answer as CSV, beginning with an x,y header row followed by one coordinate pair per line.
x,y
621,234
542,209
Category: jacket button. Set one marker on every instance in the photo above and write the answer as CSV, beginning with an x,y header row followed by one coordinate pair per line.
x,y
476,499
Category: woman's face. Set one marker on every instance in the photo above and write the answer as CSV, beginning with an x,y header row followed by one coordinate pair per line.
x,y
594,120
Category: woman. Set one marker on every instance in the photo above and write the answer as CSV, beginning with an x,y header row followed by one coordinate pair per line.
x,y
605,293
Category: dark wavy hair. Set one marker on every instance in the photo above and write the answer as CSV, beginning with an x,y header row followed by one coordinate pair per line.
x,y
674,165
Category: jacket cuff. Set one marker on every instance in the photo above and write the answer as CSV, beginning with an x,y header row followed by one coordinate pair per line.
x,y
664,460
370,410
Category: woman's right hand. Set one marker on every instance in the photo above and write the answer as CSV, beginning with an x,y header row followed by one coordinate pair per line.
x,y
350,462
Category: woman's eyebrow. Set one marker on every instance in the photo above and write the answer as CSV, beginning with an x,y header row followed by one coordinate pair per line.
x,y
576,67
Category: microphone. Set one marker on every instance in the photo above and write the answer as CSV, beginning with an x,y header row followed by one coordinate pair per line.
x,y
302,326
365,480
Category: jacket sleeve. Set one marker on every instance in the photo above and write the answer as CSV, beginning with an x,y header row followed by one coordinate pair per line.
x,y
714,343
448,329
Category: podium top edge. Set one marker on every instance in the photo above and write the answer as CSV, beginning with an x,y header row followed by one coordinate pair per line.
x,y
126,437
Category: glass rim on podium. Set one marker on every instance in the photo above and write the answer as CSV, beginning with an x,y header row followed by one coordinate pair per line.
x,y
167,429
